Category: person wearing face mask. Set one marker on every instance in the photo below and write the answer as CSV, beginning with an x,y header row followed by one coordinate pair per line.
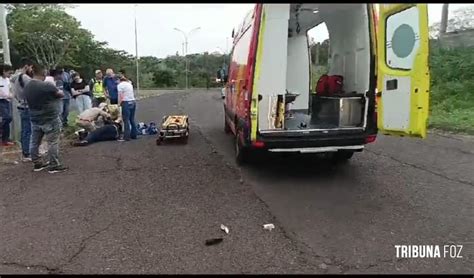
x,y
81,93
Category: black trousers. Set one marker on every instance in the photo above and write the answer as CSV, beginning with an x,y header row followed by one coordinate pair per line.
x,y
105,133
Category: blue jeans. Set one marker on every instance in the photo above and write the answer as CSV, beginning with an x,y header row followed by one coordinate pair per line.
x,y
5,119
52,131
65,110
25,131
128,116
105,133
83,103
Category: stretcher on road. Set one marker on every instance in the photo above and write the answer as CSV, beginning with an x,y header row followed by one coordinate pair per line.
x,y
174,127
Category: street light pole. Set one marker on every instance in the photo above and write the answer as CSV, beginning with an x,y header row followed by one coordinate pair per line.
x,y
186,50
223,55
136,49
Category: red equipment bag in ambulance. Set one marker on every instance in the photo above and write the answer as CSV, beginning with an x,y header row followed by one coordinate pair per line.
x,y
329,85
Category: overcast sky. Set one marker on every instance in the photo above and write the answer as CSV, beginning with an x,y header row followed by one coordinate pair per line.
x,y
114,23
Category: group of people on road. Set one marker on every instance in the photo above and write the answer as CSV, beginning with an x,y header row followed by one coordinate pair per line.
x,y
44,99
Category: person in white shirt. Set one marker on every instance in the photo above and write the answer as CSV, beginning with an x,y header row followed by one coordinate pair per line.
x,y
5,105
128,104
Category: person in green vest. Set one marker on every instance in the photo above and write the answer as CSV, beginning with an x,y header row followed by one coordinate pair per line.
x,y
97,87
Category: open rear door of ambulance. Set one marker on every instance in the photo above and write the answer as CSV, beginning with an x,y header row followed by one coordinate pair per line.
x,y
403,69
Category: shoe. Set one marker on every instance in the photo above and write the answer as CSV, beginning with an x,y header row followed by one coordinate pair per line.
x,y
8,144
57,169
80,143
40,167
26,159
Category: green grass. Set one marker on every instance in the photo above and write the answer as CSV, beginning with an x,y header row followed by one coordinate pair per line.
x,y
452,90
68,132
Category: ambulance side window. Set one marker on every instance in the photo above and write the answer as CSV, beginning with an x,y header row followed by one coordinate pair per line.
x,y
402,39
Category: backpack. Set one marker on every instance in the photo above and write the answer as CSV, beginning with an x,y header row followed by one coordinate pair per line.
x,y
152,130
20,80
329,85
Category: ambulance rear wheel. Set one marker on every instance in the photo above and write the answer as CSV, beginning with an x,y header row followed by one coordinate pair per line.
x,y
159,141
227,129
241,153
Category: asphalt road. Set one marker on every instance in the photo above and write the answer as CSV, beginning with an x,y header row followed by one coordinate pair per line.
x,y
134,207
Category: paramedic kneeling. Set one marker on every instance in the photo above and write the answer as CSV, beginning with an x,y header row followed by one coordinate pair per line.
x,y
87,119
128,104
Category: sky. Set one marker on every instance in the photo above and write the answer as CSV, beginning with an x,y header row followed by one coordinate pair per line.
x,y
114,23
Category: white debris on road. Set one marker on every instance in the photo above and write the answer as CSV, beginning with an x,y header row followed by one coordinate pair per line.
x,y
269,227
225,228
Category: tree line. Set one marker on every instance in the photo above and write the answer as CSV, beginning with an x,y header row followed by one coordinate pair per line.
x,y
48,35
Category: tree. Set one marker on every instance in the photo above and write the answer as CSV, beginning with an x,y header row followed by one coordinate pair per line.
x,y
460,20
45,33
320,52
164,78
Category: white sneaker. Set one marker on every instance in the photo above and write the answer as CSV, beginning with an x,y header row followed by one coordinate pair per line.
x,y
26,159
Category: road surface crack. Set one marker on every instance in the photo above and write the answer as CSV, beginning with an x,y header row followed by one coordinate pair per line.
x,y
423,169
83,245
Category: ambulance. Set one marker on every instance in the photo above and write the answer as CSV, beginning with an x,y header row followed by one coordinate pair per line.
x,y
381,55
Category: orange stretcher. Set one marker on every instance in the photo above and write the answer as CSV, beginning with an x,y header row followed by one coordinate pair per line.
x,y
174,127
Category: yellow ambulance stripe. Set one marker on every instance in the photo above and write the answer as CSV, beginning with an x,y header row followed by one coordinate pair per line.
x,y
256,78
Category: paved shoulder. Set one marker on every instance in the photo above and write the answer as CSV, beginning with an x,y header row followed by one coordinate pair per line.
x,y
140,208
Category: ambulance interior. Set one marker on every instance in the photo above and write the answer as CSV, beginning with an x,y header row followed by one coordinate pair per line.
x,y
288,101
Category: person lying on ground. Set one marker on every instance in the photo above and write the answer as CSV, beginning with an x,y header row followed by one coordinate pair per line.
x,y
109,132
88,118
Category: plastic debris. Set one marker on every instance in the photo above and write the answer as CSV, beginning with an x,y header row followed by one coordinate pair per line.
x,y
269,227
214,241
225,228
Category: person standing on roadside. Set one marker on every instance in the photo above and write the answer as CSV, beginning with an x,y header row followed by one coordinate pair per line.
x,y
59,83
128,104
110,85
81,93
67,81
44,101
5,105
97,87
18,83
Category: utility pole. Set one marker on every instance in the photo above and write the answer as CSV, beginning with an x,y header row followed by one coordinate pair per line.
x,y
4,34
444,19
15,124
136,49
186,50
